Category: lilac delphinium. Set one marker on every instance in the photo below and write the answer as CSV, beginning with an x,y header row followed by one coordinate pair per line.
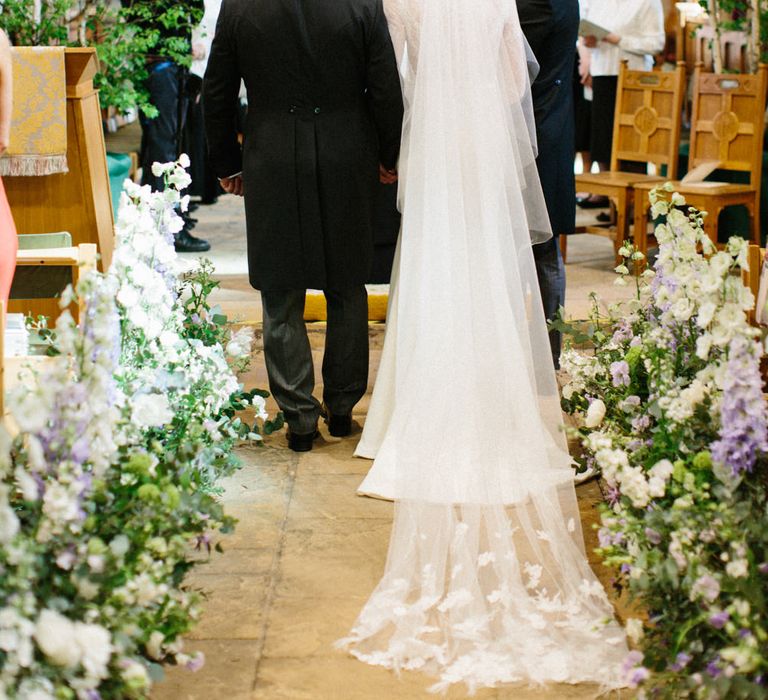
x,y
744,429
620,373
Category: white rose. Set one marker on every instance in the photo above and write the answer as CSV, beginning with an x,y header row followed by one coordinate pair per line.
x,y
127,297
95,644
34,689
260,405
595,414
738,568
663,469
135,673
151,410
657,487
120,545
55,635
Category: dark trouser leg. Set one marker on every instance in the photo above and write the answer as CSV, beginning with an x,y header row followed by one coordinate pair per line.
x,y
289,358
551,273
159,134
345,365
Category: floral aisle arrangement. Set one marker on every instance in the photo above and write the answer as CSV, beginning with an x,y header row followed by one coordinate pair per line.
x,y
675,419
108,484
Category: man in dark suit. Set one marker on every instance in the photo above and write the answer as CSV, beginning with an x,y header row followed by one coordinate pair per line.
x,y
324,123
551,27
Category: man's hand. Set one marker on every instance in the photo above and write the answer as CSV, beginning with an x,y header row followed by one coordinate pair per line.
x,y
199,51
387,177
590,41
232,185
612,38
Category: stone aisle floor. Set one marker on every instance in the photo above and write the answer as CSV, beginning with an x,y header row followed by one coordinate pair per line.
x,y
307,551
303,559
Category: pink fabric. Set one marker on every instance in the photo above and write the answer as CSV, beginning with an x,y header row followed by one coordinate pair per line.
x,y
9,244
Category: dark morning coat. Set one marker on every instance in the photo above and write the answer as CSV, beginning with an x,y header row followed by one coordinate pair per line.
x,y
325,108
551,27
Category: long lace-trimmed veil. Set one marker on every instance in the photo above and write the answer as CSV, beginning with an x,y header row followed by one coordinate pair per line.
x,y
486,580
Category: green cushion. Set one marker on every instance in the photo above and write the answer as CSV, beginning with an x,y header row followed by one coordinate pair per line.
x,y
36,241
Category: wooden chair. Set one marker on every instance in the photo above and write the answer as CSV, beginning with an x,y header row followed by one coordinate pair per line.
x,y
646,129
726,134
752,279
43,273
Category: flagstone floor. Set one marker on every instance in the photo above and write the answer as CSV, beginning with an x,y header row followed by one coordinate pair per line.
x,y
307,551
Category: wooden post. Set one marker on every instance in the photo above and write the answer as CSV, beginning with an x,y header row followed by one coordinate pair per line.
x,y
717,49
754,51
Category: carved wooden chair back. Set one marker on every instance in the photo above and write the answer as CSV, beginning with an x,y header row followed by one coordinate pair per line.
x,y
728,121
646,127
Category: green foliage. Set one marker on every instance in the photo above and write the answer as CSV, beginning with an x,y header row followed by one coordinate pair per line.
x,y
18,20
124,38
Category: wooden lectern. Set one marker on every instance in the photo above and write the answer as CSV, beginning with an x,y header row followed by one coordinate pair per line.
x,y
78,201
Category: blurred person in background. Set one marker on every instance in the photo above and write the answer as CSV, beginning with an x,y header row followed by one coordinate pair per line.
x,y
172,21
8,239
551,28
582,100
636,34
205,184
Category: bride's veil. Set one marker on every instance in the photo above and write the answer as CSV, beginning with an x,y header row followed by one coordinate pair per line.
x,y
486,579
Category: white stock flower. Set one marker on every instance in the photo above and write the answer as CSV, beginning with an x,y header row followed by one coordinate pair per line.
x,y
55,636
705,314
60,502
27,485
635,486
595,414
9,523
720,263
95,645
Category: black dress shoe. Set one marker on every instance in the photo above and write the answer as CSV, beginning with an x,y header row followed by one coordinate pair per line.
x,y
338,426
187,243
594,203
301,442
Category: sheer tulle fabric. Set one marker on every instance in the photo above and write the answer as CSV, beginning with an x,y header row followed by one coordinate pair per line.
x,y
486,580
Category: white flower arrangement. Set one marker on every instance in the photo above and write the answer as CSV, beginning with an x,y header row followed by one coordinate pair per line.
x,y
680,435
110,478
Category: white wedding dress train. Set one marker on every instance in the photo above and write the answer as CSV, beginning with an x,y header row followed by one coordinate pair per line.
x,y
486,581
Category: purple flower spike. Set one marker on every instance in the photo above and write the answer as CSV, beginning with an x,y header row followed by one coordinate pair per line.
x,y
744,431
